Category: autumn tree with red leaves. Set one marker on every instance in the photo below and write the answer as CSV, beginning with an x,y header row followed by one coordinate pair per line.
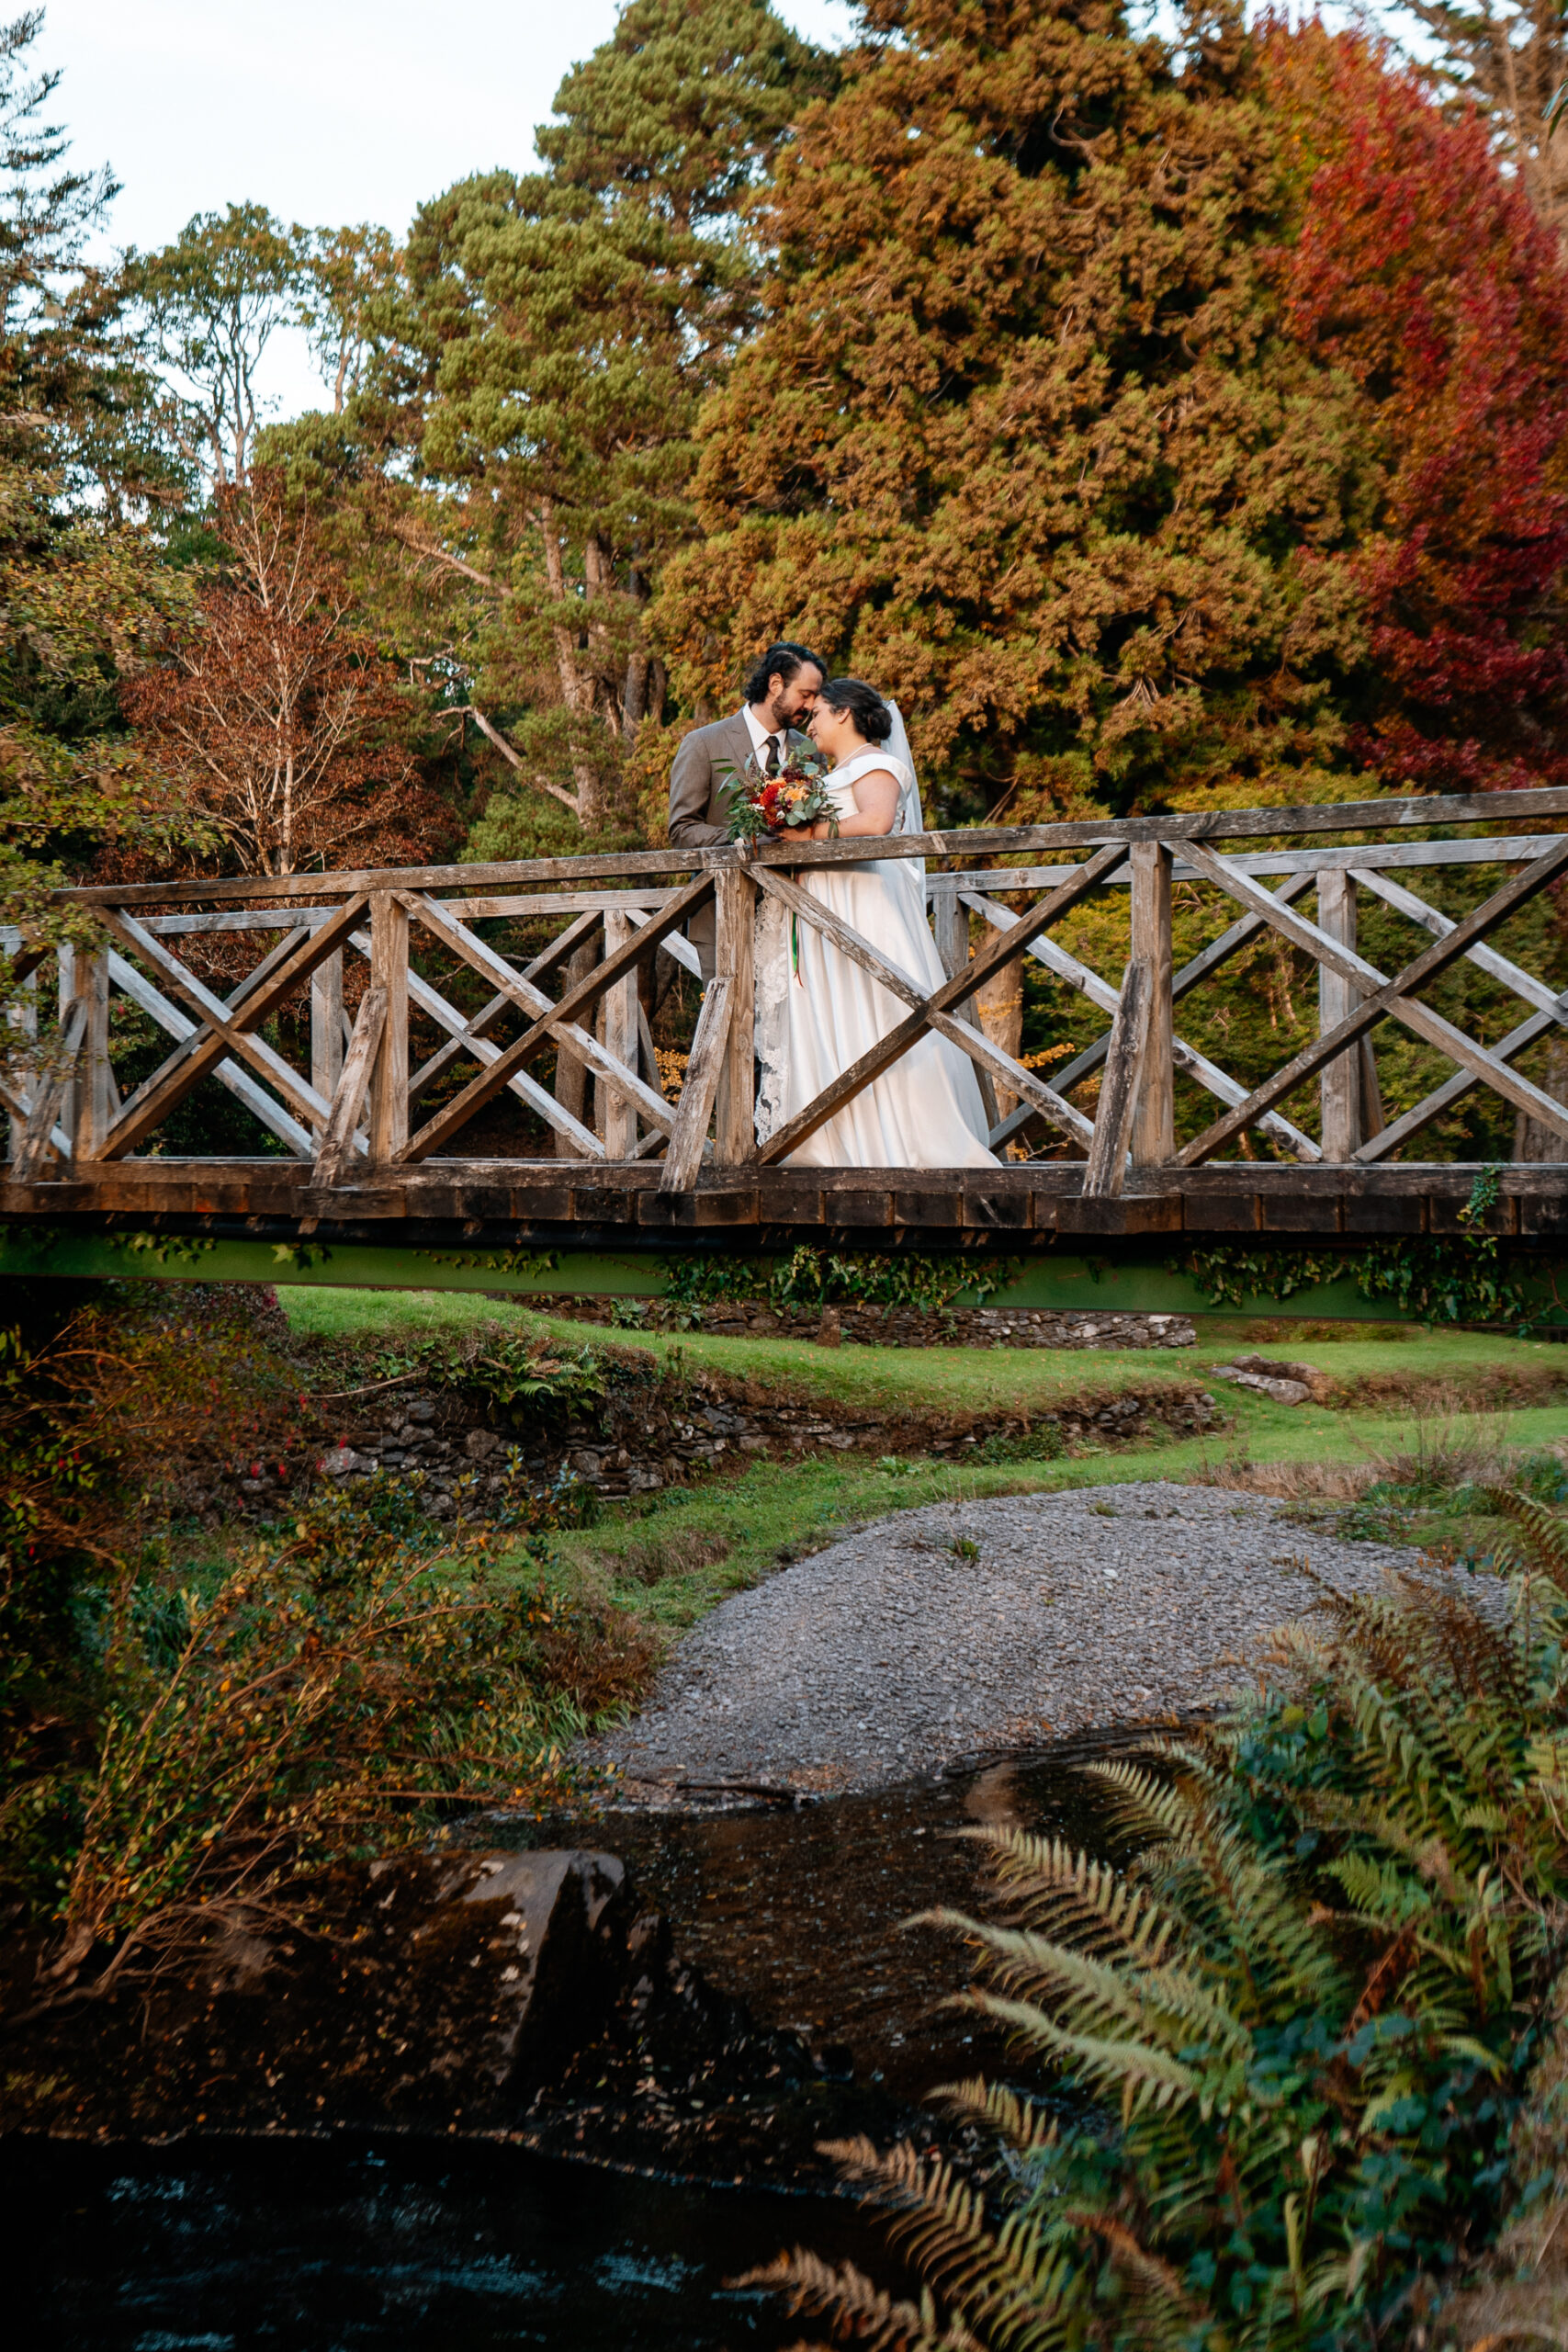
x,y
282,723
1426,277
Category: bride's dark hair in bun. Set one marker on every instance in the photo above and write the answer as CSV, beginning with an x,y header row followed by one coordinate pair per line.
x,y
864,705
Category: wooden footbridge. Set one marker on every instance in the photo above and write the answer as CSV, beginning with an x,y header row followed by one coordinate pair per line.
x,y
426,1037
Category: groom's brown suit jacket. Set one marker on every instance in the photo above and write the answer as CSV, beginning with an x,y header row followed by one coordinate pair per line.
x,y
698,801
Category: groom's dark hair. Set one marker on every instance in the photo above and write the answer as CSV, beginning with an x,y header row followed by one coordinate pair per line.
x,y
780,662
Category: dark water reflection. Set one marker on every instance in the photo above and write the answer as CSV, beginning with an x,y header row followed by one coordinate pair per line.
x,y
392,2248
393,2245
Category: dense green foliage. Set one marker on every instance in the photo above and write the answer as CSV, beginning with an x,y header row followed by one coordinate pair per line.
x,y
812,1277
190,1721
1303,2014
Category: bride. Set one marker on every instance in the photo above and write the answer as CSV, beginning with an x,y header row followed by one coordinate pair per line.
x,y
818,1012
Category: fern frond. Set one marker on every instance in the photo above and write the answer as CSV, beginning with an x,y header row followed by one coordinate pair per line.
x,y
1007,2283
1049,1883
1023,2123
1136,2067
854,2303
1544,1548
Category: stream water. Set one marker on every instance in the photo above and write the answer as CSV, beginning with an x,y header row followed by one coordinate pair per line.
x,y
392,2244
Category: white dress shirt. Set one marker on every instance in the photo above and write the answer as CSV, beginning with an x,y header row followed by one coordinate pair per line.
x,y
759,734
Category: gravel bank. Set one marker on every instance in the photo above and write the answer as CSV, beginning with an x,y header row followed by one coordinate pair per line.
x,y
964,1626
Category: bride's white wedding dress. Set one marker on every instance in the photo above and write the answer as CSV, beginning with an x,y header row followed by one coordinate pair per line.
x,y
818,1012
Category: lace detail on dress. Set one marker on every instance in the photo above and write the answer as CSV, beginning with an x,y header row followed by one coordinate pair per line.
x,y
773,1009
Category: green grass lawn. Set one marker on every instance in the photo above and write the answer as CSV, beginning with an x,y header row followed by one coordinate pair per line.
x,y
649,1553
947,1380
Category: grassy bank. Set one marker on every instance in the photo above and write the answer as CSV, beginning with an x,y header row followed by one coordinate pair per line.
x,y
1474,1369
669,1558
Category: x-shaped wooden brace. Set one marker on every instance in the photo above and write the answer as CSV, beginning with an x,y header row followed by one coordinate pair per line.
x,y
466,1038
226,1027
1382,997
934,1012
1552,1010
554,1023
1100,991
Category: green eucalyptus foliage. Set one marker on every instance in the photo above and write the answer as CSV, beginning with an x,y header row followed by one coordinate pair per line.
x,y
1297,2024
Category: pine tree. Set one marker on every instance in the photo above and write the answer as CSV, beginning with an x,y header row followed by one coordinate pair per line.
x,y
558,334
83,594
1024,437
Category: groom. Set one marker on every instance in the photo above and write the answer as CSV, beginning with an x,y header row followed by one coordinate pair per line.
x,y
781,690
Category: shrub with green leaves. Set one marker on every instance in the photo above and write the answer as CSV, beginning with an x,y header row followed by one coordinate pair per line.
x,y
812,1277
1298,2025
353,1679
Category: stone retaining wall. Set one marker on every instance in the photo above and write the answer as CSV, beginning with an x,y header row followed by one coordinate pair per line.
x,y
893,1327
666,1433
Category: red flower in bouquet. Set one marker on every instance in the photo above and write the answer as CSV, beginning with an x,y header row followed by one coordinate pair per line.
x,y
765,807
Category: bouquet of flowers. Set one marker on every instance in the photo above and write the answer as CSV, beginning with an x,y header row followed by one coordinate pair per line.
x,y
765,807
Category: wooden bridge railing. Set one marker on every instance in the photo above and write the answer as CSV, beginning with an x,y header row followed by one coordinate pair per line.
x,y
399,1081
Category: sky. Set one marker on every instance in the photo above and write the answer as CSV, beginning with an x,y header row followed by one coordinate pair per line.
x,y
325,111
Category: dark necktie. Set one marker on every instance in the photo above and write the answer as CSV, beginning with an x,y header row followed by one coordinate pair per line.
x,y
771,756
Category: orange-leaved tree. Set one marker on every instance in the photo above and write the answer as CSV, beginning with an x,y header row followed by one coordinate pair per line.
x,y
281,722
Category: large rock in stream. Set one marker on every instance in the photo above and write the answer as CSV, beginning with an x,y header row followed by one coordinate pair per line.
x,y
464,1983
520,1992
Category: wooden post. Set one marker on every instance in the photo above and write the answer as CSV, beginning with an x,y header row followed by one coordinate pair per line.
x,y
617,1118
735,1125
1340,1085
1153,1141
326,1025
65,964
389,971
87,1110
684,1157
1106,1171
22,1020
950,921
572,1075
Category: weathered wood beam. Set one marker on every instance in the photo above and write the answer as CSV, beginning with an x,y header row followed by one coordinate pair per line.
x,y
1382,817
1501,967
484,1051
1394,1137
734,955
212,1010
1339,1082
695,1108
1099,992
560,951
238,1080
1355,974
482,1089
617,1018
521,993
336,1153
1514,893
326,1025
1153,1137
1118,1090
1506,848
389,1124
49,1094
153,1101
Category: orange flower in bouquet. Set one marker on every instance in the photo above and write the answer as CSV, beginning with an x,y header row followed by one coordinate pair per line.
x,y
765,807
